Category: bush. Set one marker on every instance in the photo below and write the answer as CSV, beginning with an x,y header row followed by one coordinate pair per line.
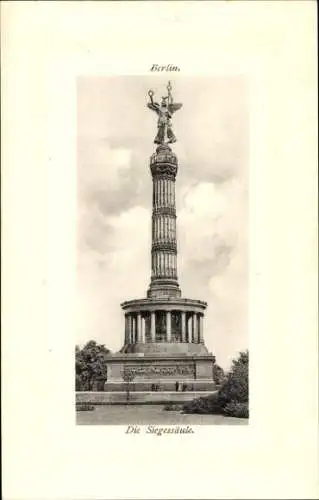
x,y
232,398
209,404
239,410
172,407
84,407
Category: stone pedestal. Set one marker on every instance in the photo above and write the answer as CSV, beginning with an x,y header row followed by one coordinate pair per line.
x,y
160,372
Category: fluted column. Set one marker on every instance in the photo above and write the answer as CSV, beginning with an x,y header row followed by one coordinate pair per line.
x,y
125,329
133,328
168,326
189,329
201,329
194,326
153,327
164,167
130,334
159,192
138,327
142,329
127,339
159,189
183,325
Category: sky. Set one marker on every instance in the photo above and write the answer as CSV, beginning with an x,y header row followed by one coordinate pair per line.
x,y
116,131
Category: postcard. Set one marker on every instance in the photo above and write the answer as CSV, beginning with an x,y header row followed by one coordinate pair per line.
x,y
159,243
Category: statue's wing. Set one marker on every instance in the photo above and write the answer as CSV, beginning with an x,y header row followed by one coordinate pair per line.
x,y
174,107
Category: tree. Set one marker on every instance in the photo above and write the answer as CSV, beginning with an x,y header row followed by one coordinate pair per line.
x,y
218,374
90,365
235,388
128,377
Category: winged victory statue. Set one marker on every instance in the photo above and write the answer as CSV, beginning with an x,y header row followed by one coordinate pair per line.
x,y
165,110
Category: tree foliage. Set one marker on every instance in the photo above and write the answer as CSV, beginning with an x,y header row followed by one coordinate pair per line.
x,y
90,365
235,388
218,374
232,399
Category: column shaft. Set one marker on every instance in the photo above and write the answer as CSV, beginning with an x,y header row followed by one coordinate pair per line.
x,y
130,329
139,327
144,329
156,192
194,327
200,325
133,329
126,329
153,330
183,325
165,192
168,326
159,192
190,329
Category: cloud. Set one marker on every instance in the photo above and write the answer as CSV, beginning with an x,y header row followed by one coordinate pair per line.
x,y
204,199
105,279
101,166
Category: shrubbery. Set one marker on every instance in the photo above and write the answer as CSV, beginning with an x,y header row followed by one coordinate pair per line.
x,y
172,407
232,398
208,404
84,407
239,410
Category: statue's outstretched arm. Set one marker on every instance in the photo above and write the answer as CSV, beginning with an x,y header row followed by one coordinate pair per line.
x,y
153,106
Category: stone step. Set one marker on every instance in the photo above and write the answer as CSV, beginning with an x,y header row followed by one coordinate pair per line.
x,y
120,397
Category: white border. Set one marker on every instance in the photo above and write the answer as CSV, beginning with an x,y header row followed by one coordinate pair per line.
x,y
45,46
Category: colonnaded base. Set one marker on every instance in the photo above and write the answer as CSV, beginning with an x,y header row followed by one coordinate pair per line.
x,y
164,348
160,372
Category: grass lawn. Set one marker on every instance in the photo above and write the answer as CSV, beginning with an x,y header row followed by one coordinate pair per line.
x,y
149,414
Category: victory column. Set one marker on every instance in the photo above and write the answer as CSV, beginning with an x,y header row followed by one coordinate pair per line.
x,y
163,339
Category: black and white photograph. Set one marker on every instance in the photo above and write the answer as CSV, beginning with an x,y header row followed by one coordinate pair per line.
x,y
162,268
159,250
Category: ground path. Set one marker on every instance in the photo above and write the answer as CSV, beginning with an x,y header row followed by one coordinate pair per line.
x,y
149,414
